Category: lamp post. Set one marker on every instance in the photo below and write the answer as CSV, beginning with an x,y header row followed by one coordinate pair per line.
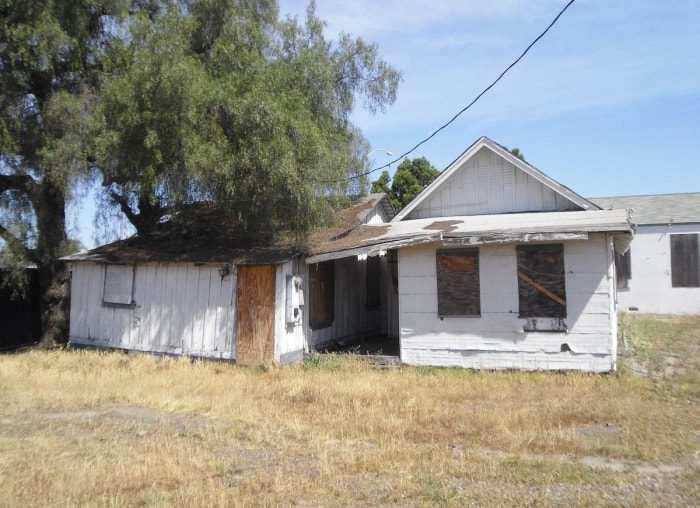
x,y
380,150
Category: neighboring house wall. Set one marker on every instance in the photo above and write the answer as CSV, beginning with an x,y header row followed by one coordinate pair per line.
x,y
178,308
495,339
486,184
650,288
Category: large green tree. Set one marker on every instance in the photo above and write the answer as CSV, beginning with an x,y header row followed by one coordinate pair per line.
x,y
410,178
50,61
169,102
227,103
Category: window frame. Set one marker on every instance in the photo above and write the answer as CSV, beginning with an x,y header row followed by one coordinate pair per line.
x,y
685,251
458,290
623,269
531,303
118,286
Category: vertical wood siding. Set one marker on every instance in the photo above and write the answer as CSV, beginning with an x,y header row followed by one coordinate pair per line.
x,y
488,184
179,309
496,340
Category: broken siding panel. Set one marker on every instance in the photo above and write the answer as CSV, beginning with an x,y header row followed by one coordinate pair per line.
x,y
494,341
524,361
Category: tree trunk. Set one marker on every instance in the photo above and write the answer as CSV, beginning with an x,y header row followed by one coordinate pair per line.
x,y
54,279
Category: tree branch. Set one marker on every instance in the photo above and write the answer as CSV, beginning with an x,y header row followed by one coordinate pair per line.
x,y
124,206
15,244
23,183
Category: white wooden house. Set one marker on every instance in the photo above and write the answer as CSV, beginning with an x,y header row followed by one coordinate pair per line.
x,y
660,274
495,265
213,295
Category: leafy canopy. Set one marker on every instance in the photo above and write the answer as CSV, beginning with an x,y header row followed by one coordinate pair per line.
x,y
411,177
221,101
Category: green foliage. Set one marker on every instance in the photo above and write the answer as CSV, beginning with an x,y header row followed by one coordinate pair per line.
x,y
226,103
518,153
410,179
51,56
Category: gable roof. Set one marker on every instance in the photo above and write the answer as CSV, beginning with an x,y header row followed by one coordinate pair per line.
x,y
657,209
484,142
206,239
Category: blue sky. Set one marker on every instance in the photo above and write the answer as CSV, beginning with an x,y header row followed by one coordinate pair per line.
x,y
607,103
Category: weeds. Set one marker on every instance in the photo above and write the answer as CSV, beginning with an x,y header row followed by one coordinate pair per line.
x,y
108,429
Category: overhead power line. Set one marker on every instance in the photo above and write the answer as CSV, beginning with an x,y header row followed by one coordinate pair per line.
x,y
483,92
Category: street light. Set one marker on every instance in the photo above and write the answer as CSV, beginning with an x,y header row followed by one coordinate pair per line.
x,y
380,150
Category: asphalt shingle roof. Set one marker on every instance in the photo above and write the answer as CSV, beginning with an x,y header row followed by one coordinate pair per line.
x,y
657,208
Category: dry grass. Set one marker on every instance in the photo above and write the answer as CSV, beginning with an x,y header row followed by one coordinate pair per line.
x,y
86,428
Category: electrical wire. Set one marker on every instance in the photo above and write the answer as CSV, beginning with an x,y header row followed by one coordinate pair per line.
x,y
445,125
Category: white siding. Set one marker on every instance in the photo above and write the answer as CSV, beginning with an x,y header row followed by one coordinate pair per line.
x,y
649,290
179,309
289,337
489,184
496,339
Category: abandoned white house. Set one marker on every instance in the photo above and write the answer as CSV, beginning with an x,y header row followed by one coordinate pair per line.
x,y
213,295
494,265
660,274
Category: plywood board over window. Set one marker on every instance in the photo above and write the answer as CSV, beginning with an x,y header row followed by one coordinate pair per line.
x,y
458,287
541,281
256,314
685,261
118,287
322,294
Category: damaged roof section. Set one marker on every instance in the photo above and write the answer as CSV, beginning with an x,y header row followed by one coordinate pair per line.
x,y
200,235
370,239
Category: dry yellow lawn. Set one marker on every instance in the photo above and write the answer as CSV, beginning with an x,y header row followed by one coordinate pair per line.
x,y
87,428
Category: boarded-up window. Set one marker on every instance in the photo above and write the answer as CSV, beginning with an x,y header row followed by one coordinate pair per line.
x,y
623,267
322,297
458,289
373,274
541,281
119,285
685,261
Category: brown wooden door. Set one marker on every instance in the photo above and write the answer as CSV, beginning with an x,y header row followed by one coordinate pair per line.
x,y
256,314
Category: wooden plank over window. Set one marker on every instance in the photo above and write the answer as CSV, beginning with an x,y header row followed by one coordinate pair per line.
x,y
541,281
685,261
458,289
322,294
